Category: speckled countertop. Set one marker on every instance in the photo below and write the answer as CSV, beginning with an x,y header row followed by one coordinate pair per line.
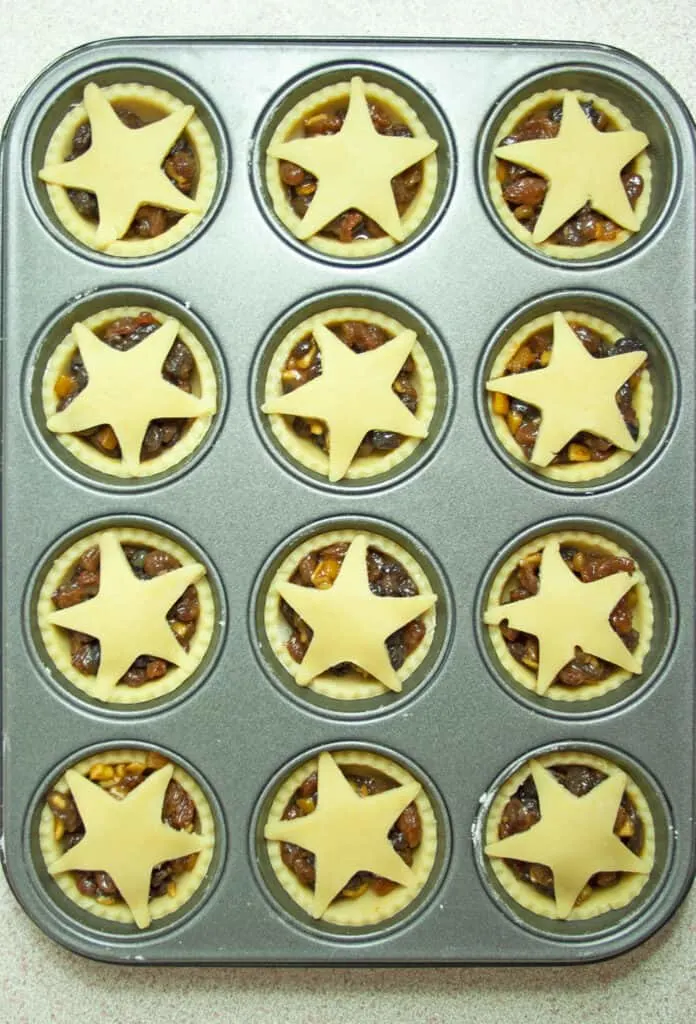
x,y
40,982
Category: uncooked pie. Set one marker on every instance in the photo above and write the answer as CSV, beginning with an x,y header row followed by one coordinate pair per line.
x,y
131,170
352,837
570,616
351,169
569,175
350,393
126,615
350,614
130,392
127,835
570,836
570,396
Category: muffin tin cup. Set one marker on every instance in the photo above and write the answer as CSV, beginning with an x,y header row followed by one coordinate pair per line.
x,y
68,94
662,367
358,709
644,112
457,507
664,626
58,327
387,77
292,913
99,930
46,666
433,346
594,928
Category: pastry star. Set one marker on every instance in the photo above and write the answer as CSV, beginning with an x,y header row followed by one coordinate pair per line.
x,y
126,390
581,164
349,622
575,392
123,166
128,616
347,833
354,168
575,837
565,613
352,395
125,838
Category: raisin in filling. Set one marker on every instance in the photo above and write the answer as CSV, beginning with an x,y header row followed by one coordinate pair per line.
x,y
522,811
588,565
523,420
405,834
300,185
304,364
178,811
524,192
178,369
180,165
83,584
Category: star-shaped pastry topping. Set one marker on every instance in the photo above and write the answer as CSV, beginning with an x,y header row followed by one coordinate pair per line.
x,y
581,164
575,392
123,166
349,622
128,616
575,837
354,168
347,833
127,391
126,838
352,395
566,613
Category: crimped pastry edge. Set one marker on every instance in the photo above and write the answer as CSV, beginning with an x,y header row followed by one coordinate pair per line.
x,y
57,643
187,883
643,618
601,900
368,909
310,455
314,101
352,686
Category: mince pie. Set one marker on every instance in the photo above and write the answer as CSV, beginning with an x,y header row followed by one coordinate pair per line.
x,y
350,393
350,614
127,835
570,396
570,616
570,836
130,392
351,170
351,837
569,174
131,170
126,615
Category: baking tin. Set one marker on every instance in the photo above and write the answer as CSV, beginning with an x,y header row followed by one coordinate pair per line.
x,y
461,501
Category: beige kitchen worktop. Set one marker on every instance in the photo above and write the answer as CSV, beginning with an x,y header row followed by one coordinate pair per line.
x,y
40,982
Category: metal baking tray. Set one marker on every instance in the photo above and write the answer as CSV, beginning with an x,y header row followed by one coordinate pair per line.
x,y
460,507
